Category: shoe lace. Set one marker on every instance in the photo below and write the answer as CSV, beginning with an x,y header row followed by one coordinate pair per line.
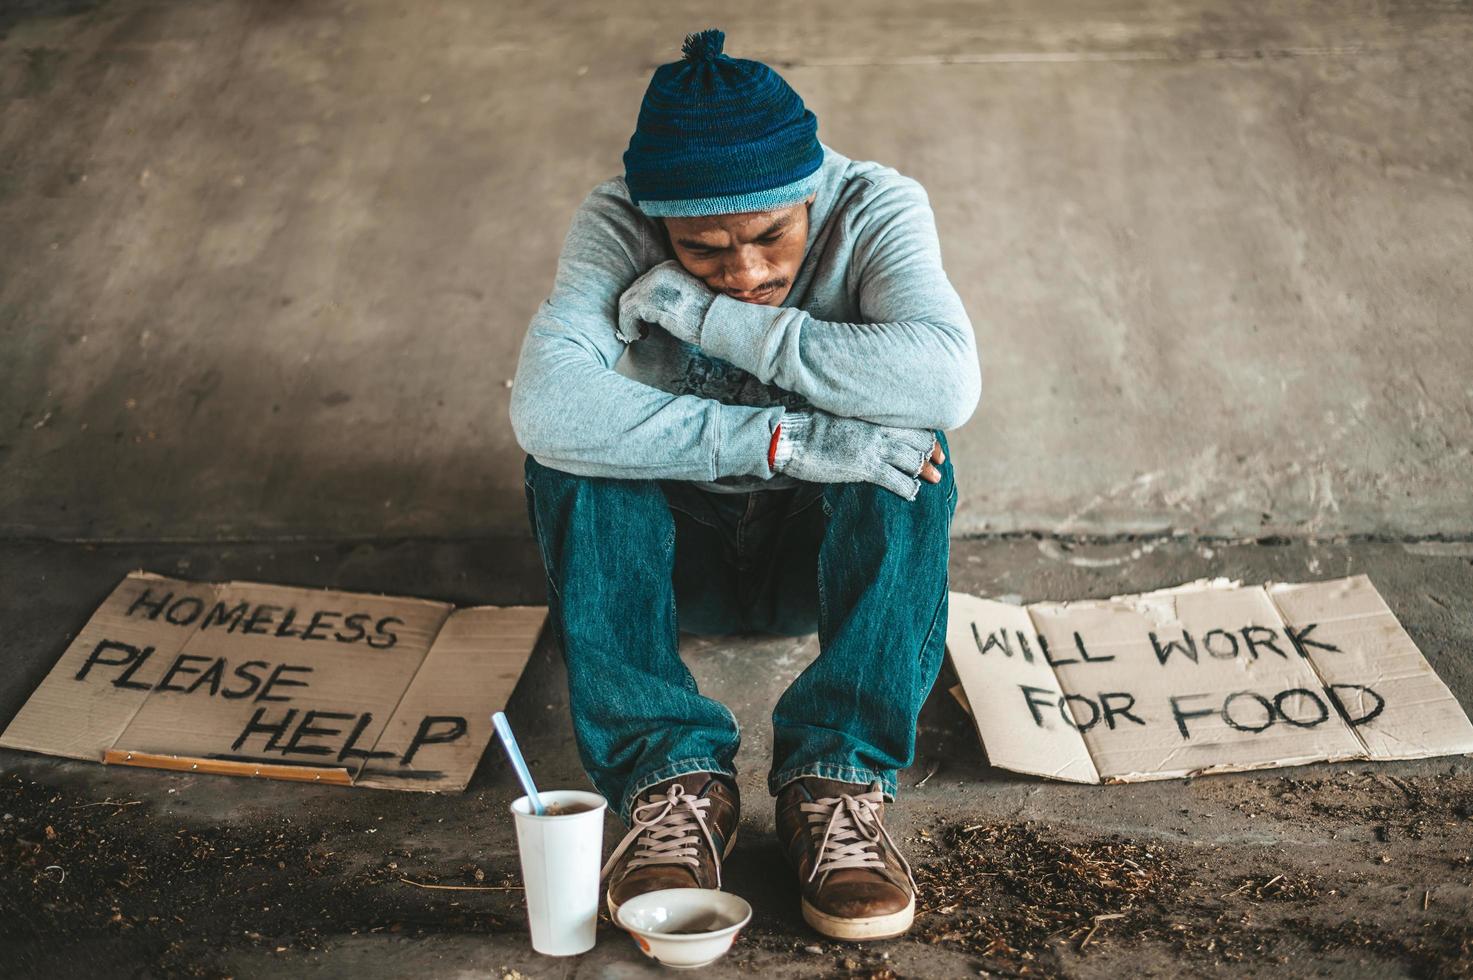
x,y
852,834
664,830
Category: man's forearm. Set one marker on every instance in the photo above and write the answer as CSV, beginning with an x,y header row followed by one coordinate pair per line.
x,y
919,373
572,411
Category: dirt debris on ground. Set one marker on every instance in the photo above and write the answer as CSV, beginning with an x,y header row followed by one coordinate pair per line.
x,y
1009,892
135,885
1029,899
141,889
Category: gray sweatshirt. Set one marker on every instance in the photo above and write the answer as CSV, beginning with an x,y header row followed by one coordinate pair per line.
x,y
871,329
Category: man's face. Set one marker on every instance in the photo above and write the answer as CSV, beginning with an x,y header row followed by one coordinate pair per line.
x,y
751,256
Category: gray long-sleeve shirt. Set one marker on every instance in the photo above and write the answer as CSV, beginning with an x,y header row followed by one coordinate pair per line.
x,y
871,328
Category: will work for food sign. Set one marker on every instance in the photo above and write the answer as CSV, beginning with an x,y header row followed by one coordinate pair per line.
x,y
1207,677
263,680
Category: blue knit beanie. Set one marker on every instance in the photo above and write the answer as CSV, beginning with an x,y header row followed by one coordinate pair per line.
x,y
720,135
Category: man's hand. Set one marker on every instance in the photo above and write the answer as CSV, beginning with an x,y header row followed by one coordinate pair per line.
x,y
822,448
929,472
666,295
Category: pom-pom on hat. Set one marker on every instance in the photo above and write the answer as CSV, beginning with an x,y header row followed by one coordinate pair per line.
x,y
720,135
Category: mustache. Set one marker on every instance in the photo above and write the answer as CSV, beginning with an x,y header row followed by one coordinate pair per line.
x,y
773,284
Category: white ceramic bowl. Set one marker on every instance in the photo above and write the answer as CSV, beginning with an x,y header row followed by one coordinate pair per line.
x,y
684,927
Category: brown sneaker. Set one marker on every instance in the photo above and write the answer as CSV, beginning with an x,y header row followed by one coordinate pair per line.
x,y
855,882
683,829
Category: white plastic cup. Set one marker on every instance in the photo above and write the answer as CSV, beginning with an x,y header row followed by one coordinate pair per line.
x,y
561,858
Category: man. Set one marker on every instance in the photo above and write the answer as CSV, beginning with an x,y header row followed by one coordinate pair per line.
x,y
732,405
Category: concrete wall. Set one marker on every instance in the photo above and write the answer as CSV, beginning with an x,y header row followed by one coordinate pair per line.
x,y
265,267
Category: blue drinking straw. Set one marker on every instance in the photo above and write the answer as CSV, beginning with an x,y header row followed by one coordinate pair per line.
x,y
509,742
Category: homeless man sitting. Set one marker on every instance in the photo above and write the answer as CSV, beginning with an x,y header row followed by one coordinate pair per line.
x,y
732,404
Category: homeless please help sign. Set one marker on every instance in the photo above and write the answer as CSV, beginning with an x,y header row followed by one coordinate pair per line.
x,y
1206,677
261,680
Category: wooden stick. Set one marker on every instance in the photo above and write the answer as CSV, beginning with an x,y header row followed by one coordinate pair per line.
x,y
226,767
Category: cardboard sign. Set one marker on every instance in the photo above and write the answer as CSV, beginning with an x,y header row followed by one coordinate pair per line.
x,y
263,680
1205,677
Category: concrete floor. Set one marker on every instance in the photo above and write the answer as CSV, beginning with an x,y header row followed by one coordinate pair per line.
x,y
266,266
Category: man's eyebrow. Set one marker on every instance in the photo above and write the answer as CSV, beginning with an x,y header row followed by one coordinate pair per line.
x,y
778,225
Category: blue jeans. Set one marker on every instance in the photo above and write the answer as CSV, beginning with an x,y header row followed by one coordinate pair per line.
x,y
631,562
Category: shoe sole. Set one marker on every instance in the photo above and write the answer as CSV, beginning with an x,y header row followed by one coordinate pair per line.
x,y
871,927
614,908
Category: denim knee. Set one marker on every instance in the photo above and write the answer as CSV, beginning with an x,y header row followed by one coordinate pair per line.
x,y
628,518
539,476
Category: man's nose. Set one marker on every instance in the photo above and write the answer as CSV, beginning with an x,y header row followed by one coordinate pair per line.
x,y
744,272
